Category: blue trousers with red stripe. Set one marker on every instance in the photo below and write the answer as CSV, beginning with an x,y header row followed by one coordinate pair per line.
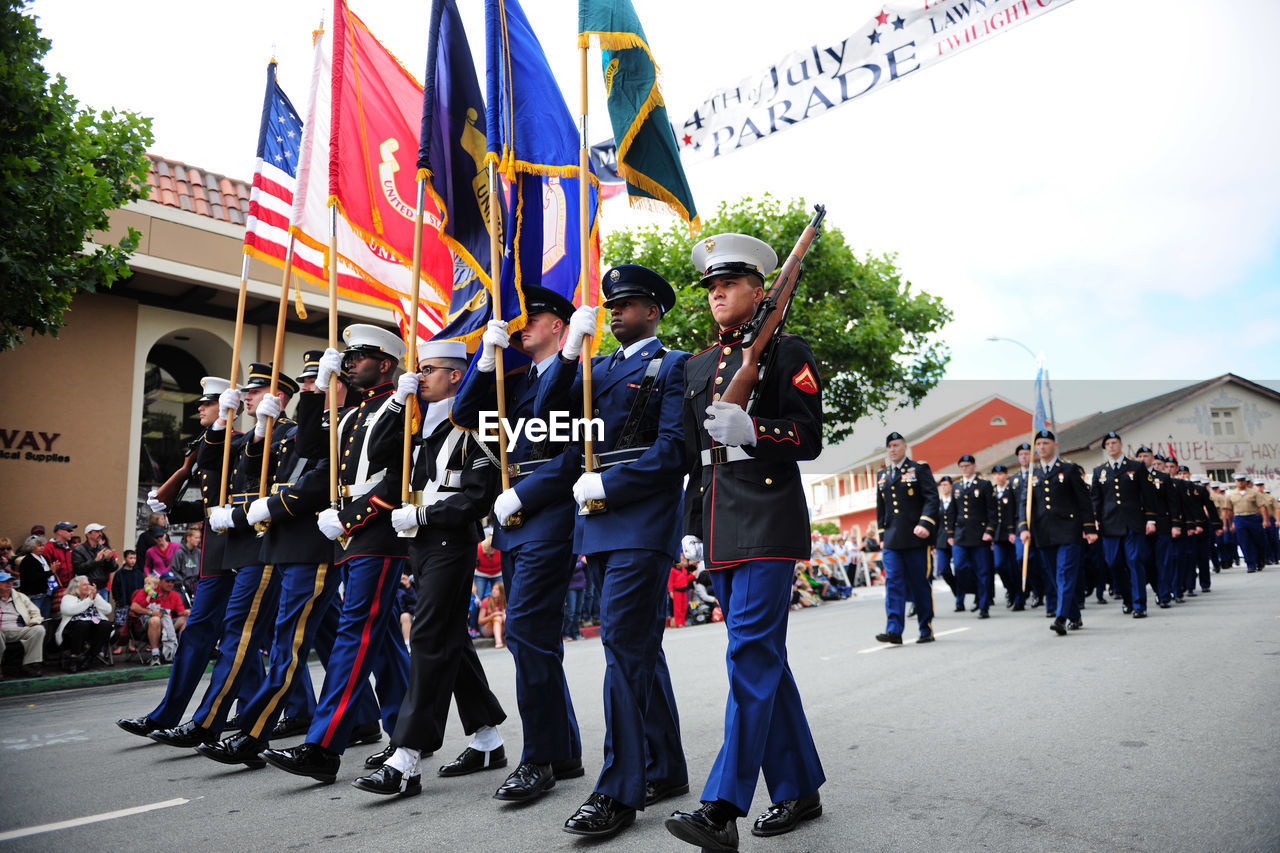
x,y
363,631
195,647
246,627
765,728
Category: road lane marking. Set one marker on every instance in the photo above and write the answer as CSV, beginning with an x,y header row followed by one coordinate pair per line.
x,y
883,646
95,818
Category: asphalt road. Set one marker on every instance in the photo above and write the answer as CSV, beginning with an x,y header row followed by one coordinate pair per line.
x,y
1159,735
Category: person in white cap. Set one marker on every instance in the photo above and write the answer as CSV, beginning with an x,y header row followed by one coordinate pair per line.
x,y
746,501
1248,512
94,558
453,483
368,551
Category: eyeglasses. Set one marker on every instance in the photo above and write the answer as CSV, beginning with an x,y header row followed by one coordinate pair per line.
x,y
426,369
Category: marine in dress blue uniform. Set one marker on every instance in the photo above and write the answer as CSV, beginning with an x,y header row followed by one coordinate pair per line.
x,y
1122,507
907,513
367,549
972,519
537,563
632,539
746,502
1061,514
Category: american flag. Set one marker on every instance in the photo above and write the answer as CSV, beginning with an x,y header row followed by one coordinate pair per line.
x,y
274,175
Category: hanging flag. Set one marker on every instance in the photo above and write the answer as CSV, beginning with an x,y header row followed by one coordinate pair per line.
x,y
534,142
366,272
900,40
275,169
452,148
604,162
1038,418
648,157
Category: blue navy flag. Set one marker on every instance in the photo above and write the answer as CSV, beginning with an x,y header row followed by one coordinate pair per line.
x,y
452,158
275,170
1038,418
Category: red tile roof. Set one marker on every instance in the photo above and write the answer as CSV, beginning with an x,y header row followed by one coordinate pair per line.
x,y
176,184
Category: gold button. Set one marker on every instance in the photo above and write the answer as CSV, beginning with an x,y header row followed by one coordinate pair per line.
x,y
722,364
719,379
715,397
768,481
790,433
762,429
728,350
777,431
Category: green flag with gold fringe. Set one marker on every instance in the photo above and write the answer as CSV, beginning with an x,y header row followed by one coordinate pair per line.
x,y
648,158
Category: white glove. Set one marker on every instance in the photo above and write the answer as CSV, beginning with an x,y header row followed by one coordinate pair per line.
x,y
589,487
729,424
495,335
691,548
406,387
330,364
330,525
404,518
581,324
507,505
269,408
220,518
155,505
258,511
227,400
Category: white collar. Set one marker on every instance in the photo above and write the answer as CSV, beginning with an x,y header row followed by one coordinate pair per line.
x,y
633,348
436,414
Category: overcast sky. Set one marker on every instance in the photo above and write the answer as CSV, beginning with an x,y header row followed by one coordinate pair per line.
x,y
1100,183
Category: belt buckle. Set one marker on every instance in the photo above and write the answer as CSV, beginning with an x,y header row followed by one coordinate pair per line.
x,y
719,454
513,469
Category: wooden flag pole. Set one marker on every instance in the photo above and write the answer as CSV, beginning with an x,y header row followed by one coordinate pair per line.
x,y
228,415
1026,549
406,459
333,344
277,353
585,283
495,309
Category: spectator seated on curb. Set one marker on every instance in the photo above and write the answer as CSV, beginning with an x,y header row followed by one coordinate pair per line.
x,y
8,560
128,580
161,616
20,621
493,615
801,592
86,626
94,558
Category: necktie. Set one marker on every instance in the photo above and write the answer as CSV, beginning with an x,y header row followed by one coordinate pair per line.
x,y
615,359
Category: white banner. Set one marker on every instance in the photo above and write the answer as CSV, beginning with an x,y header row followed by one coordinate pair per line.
x,y
900,40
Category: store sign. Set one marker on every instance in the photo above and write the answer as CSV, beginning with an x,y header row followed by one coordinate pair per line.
x,y
30,446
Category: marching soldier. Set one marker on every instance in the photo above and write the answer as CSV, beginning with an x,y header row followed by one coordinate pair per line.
x,y
1003,552
1060,513
1125,518
537,563
1248,512
1162,500
745,500
1032,585
1207,522
368,552
632,541
942,550
453,482
907,514
973,520
256,590
1270,530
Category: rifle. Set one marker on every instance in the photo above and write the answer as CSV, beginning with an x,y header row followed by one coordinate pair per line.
x,y
171,488
770,314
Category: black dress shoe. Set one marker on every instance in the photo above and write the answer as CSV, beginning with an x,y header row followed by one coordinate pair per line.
x,y
569,768
237,749
1019,607
713,827
473,760
185,736
1059,627
1139,614
389,782
889,637
959,608
232,725
982,614
367,733
309,759
781,818
925,638
1179,599
601,816
527,782
656,792
1191,593
1166,605
141,726
1102,599
1036,600
1127,610
373,762
290,727
1075,624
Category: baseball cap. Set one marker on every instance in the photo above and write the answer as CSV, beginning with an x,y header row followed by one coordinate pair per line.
x,y
64,525
5,576
168,576
89,528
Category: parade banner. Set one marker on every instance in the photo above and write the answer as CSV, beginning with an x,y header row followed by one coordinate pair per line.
x,y
900,40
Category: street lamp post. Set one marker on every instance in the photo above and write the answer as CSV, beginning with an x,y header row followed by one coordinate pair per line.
x,y
1053,418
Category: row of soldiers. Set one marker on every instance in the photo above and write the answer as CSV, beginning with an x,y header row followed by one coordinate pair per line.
x,y
279,551
1052,538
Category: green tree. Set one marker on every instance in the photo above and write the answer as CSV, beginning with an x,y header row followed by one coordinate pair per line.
x,y
827,528
62,168
874,337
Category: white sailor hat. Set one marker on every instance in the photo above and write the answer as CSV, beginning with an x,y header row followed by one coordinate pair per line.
x,y
1259,482
212,386
442,349
362,337
1196,478
733,254
1242,476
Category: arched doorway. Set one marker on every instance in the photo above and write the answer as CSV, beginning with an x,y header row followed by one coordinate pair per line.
x,y
171,386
